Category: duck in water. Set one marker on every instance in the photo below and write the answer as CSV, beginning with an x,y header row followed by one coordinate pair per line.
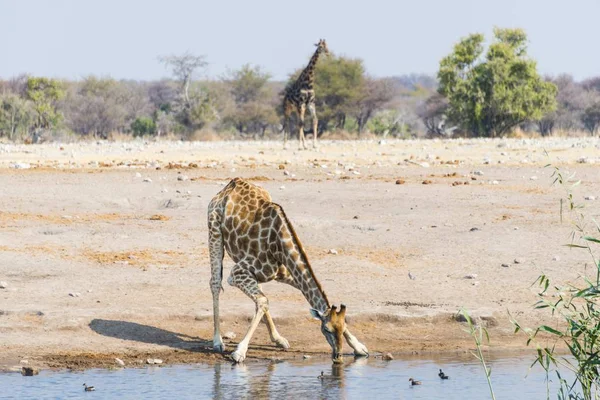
x,y
87,388
322,376
413,382
443,375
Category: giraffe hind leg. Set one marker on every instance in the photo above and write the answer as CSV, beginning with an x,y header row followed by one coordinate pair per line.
x,y
215,244
301,113
244,280
313,113
276,338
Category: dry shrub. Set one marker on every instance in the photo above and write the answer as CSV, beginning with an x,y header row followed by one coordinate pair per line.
x,y
570,133
205,135
120,137
518,133
338,135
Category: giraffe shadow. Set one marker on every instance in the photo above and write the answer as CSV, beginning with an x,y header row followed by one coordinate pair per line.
x,y
149,334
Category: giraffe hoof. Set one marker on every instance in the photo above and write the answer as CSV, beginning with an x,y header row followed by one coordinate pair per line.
x,y
282,343
238,357
361,351
219,348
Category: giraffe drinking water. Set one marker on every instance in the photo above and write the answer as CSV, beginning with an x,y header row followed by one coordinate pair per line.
x,y
260,239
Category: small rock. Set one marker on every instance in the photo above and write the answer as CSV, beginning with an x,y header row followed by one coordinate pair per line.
x,y
21,165
479,173
306,356
555,258
590,198
120,362
427,182
518,261
229,335
165,190
182,177
282,187
74,294
411,276
138,175
424,164
495,182
400,181
505,265
355,217
281,166
473,229
3,285
153,361
286,172
356,172
471,276
516,228
332,251
148,180
388,357
583,160
533,178
29,371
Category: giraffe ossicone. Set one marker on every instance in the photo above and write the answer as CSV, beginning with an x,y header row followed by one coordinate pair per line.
x,y
260,239
300,96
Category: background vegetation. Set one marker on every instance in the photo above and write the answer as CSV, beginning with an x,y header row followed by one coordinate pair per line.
x,y
477,92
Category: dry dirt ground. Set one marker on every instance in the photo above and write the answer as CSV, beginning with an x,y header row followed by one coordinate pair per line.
x,y
103,246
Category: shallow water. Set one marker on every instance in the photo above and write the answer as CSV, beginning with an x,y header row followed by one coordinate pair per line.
x,y
361,378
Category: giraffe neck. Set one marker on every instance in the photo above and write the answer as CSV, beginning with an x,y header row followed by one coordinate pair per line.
x,y
294,258
309,71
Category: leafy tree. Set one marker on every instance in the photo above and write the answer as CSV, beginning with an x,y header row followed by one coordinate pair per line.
x,y
45,94
338,86
16,114
490,95
253,112
97,107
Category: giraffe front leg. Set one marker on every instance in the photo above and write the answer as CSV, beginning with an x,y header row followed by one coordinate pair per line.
x,y
359,348
245,281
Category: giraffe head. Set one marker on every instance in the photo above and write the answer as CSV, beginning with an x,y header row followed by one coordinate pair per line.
x,y
322,45
333,325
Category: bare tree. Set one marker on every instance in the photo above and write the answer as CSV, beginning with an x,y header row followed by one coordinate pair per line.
x,y
433,114
571,100
376,93
183,68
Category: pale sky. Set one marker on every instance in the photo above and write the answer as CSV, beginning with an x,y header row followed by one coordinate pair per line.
x,y
122,38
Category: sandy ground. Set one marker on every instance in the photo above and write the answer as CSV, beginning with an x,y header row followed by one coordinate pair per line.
x,y
103,246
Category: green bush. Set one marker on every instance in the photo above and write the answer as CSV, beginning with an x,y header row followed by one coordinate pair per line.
x,y
143,126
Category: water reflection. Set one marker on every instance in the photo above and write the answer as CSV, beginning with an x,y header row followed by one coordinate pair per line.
x,y
359,378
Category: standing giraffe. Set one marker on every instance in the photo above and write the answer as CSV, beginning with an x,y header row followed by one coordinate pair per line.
x,y
262,242
301,95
